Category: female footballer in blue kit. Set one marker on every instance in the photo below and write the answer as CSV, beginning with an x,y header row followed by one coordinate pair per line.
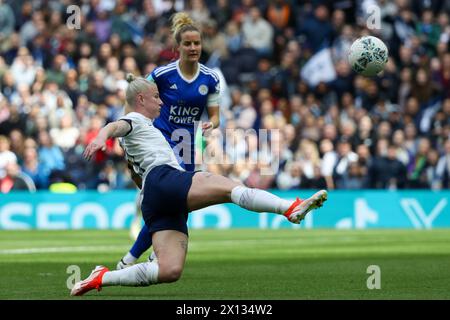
x,y
186,88
169,192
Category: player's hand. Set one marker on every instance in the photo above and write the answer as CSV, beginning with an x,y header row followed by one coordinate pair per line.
x,y
207,126
93,147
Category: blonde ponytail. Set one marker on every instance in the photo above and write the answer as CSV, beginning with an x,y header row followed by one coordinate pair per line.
x,y
182,22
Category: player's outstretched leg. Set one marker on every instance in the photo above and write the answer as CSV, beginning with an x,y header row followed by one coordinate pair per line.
x,y
170,247
208,189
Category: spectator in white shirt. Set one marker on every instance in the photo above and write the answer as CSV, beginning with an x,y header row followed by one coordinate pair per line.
x,y
257,31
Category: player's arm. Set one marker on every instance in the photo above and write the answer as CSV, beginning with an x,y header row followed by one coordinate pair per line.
x,y
214,118
213,112
213,105
118,128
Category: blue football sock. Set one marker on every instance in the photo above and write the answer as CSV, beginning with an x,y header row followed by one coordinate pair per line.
x,y
142,243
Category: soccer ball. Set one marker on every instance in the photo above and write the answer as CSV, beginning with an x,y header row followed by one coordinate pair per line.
x,y
368,56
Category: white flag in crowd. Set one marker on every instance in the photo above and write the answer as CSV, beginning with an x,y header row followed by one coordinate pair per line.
x,y
319,68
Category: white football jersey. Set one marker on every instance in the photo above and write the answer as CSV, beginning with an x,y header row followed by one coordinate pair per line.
x,y
145,146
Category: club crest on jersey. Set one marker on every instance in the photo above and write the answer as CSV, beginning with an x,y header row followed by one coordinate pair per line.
x,y
203,90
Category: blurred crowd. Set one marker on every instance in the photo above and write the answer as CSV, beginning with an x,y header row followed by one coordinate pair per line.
x,y
62,77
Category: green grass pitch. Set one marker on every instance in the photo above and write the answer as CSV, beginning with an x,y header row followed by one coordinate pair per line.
x,y
239,264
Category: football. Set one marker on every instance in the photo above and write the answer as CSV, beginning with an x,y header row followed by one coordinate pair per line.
x,y
368,55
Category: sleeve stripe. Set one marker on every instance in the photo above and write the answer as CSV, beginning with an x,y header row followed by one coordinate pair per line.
x,y
131,125
163,72
209,72
165,69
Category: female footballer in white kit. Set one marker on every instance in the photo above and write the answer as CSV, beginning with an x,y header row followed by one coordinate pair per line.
x,y
188,89
169,192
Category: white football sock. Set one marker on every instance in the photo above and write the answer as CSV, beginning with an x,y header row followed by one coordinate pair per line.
x,y
258,200
139,275
129,258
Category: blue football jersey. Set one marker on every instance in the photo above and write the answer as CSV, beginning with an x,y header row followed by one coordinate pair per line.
x,y
183,103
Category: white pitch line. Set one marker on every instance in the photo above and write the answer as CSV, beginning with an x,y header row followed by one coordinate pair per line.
x,y
195,245
61,249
